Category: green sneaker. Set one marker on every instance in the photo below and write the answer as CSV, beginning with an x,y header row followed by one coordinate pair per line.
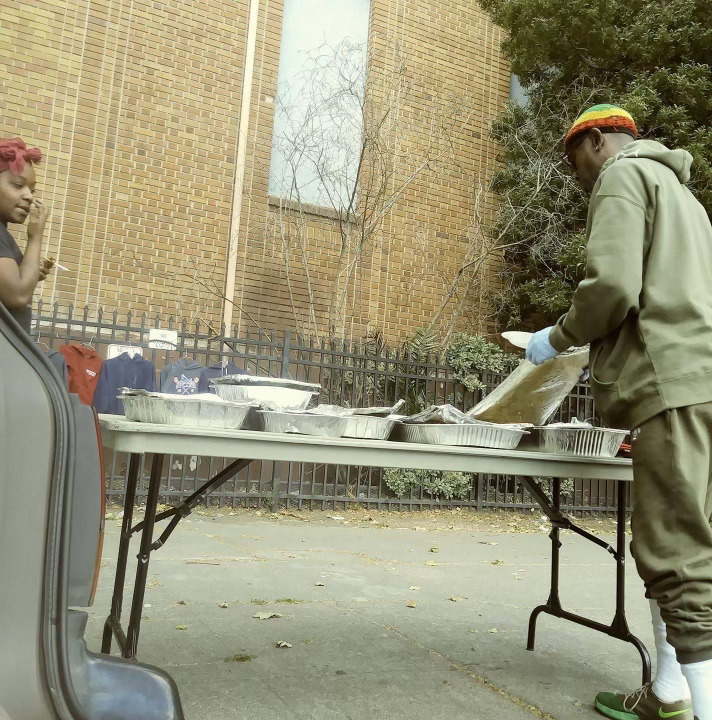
x,y
642,704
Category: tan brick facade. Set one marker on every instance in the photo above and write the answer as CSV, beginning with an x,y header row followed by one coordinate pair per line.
x,y
136,105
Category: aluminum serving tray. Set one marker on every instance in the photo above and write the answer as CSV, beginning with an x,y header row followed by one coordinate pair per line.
x,y
202,410
585,442
281,393
366,427
302,423
480,435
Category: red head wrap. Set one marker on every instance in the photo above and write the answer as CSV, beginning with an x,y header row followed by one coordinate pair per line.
x,y
14,154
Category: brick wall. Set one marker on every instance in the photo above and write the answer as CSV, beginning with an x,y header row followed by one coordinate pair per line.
x,y
136,104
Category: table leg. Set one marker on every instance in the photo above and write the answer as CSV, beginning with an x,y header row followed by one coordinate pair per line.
x,y
619,626
128,642
144,556
553,604
113,621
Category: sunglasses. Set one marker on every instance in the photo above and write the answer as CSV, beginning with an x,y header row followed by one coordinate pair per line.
x,y
568,155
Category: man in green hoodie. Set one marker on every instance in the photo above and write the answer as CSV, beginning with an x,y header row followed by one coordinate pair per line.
x,y
645,307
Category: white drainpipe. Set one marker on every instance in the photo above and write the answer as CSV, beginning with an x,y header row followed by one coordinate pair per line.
x,y
238,186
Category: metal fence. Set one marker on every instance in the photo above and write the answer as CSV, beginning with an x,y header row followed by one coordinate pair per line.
x,y
351,374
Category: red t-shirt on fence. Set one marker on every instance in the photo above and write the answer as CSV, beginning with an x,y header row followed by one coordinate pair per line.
x,y
83,365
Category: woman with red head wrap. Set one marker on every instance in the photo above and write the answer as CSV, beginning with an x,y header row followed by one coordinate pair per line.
x,y
19,274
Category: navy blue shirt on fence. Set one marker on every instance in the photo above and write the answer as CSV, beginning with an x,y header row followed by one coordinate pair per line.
x,y
216,371
123,371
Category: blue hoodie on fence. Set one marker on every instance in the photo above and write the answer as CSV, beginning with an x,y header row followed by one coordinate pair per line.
x,y
216,371
181,377
123,371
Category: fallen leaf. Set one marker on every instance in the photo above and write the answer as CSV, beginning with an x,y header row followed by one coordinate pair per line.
x,y
282,644
435,549
471,630
456,598
411,604
181,627
266,615
431,562
414,587
495,562
318,584
222,605
181,602
493,630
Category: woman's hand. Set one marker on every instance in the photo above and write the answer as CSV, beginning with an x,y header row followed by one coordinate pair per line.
x,y
39,213
47,265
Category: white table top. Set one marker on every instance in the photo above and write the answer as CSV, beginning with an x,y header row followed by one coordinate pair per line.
x,y
133,437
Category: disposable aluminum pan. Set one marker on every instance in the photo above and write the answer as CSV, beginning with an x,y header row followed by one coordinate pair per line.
x,y
587,442
366,427
276,392
302,423
480,435
202,411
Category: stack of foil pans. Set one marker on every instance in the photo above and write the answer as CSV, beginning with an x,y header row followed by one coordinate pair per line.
x,y
485,435
366,427
278,393
202,410
302,423
581,441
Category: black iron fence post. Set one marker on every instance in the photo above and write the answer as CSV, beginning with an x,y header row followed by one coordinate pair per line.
x,y
286,352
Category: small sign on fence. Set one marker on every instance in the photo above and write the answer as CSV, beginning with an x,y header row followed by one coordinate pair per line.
x,y
116,350
162,339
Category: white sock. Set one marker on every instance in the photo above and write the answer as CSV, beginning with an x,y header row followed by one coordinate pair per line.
x,y
670,684
699,679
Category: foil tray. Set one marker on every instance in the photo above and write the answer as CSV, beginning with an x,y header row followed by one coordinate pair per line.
x,y
284,398
585,442
478,435
302,423
367,427
261,380
203,410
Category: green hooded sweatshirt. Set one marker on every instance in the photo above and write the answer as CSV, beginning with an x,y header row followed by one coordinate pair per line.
x,y
645,305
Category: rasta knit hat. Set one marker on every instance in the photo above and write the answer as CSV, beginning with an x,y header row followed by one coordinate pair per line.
x,y
607,118
14,154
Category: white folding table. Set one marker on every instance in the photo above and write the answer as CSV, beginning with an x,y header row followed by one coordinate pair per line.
x,y
137,439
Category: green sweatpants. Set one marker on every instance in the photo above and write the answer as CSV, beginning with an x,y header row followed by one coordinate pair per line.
x,y
672,537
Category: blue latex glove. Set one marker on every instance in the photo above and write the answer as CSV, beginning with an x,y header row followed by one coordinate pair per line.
x,y
540,349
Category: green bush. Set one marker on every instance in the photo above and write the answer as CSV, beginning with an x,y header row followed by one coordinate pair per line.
x,y
445,485
470,355
650,56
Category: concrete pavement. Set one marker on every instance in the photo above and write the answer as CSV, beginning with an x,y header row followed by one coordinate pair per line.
x,y
358,650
